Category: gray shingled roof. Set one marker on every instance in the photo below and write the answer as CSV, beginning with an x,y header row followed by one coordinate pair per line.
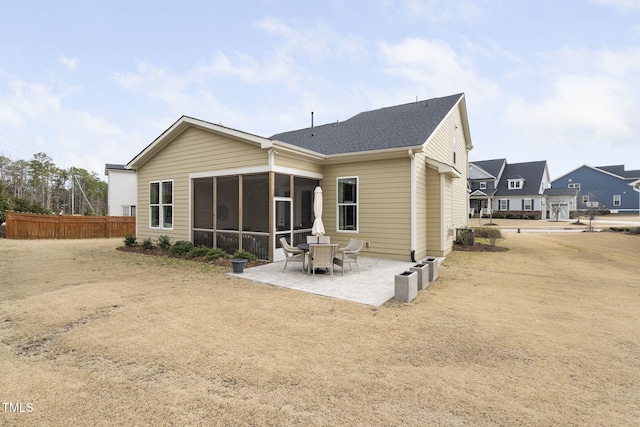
x,y
406,125
491,166
532,172
619,170
114,166
560,191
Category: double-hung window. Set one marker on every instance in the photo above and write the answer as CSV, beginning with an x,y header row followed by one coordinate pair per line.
x,y
161,204
527,204
348,204
617,200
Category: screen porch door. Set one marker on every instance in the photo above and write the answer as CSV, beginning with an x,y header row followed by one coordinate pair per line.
x,y
282,224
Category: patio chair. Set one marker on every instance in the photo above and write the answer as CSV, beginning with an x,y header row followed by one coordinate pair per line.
x,y
292,254
325,240
349,254
321,256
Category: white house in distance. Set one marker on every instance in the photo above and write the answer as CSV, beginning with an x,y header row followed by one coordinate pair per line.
x,y
123,193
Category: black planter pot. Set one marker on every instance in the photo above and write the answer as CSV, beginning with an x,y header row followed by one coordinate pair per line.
x,y
238,264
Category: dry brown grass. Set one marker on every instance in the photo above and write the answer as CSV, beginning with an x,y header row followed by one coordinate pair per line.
x,y
545,334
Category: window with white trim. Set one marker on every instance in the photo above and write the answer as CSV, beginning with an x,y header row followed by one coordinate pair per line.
x,y
585,199
617,200
455,149
574,185
161,204
503,204
527,204
483,185
128,210
515,184
348,203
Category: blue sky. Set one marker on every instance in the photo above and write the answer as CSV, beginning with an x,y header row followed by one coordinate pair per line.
x,y
94,82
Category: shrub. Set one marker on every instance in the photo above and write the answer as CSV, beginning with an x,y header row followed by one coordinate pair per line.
x,y
164,242
634,230
26,206
620,229
129,240
181,247
147,243
246,255
196,252
214,254
491,234
465,237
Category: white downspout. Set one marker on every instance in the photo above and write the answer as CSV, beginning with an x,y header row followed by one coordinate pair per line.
x,y
637,189
413,208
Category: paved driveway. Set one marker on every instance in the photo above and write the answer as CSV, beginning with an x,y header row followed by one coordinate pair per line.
x,y
373,286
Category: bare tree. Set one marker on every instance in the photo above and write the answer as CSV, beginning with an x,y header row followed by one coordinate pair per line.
x,y
556,207
591,207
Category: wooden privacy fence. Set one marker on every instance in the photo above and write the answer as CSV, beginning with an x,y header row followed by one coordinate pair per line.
x,y
35,226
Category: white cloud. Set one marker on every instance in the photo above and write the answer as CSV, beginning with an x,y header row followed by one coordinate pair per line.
x,y
435,67
41,118
620,4
317,41
246,68
434,12
584,97
70,63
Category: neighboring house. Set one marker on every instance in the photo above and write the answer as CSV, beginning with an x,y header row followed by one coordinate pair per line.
x,y
123,190
483,184
518,190
394,177
602,187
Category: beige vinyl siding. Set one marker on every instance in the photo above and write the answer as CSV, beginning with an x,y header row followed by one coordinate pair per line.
x,y
434,209
293,163
460,191
384,206
195,150
454,198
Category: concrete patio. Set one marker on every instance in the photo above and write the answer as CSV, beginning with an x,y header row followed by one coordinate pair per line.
x,y
373,286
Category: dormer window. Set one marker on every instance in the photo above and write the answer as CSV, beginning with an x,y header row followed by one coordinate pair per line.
x,y
483,185
515,184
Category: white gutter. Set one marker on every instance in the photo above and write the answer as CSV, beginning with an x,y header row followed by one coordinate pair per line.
x,y
636,187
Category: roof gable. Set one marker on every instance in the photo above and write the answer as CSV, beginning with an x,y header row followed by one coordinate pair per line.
x,y
606,170
533,174
401,126
184,123
619,171
493,167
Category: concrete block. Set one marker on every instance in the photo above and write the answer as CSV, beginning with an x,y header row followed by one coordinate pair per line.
x,y
406,286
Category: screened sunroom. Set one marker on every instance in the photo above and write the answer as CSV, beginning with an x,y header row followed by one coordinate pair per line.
x,y
252,212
